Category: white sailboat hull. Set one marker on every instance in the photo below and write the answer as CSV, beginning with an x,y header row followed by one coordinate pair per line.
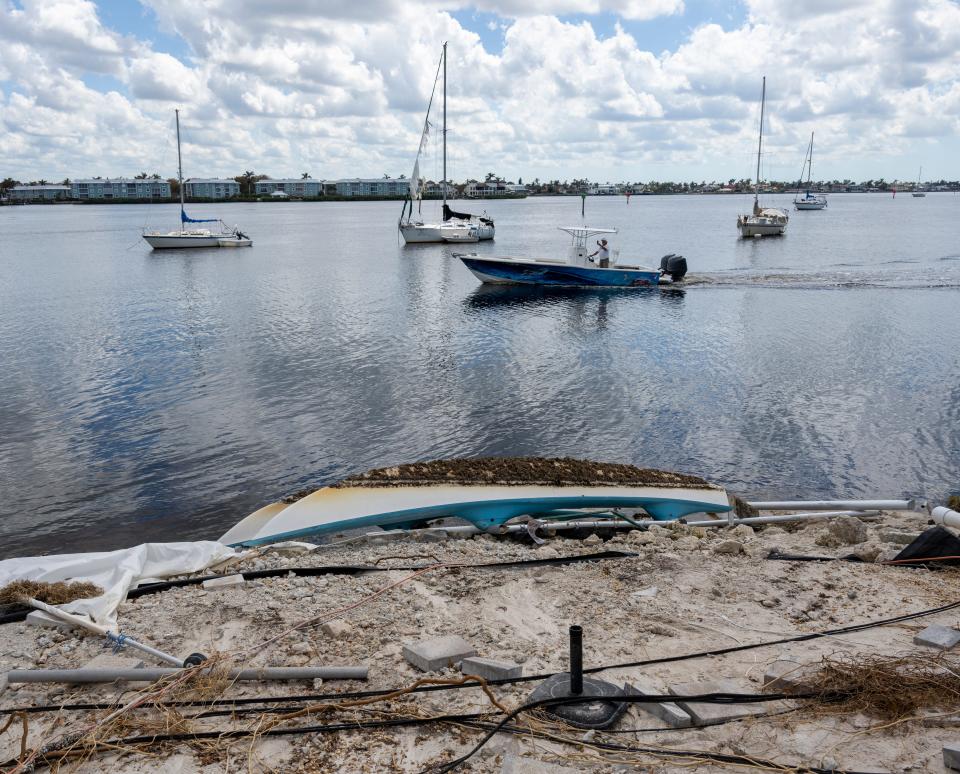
x,y
414,233
177,240
810,205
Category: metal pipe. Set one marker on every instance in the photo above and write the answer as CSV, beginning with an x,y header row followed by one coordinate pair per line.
x,y
576,660
836,505
945,517
151,674
119,640
788,517
463,530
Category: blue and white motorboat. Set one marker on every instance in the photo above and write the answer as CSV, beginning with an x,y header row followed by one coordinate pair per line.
x,y
577,270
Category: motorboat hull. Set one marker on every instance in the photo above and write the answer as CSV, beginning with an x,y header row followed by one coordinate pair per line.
x,y
235,242
334,509
503,271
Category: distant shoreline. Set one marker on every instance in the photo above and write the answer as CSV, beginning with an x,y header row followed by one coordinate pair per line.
x,y
265,200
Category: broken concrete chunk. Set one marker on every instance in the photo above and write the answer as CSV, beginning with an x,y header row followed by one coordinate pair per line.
x,y
225,582
490,669
951,756
787,676
667,711
592,540
336,630
897,536
705,714
843,531
937,636
431,655
728,547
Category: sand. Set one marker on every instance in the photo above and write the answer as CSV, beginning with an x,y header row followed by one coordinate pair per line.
x,y
715,588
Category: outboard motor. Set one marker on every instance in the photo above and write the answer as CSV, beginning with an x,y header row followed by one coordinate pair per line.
x,y
674,265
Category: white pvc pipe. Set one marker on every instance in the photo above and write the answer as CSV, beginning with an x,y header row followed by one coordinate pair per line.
x,y
835,505
152,674
945,517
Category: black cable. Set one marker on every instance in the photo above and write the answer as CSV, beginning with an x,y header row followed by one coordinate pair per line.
x,y
719,698
510,680
468,719
345,569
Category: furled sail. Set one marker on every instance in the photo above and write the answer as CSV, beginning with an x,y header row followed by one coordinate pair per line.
x,y
185,219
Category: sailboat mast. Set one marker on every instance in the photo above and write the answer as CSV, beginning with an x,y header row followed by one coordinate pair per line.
x,y
444,122
763,97
179,159
810,166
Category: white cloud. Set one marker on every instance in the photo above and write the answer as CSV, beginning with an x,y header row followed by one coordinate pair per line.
x,y
340,89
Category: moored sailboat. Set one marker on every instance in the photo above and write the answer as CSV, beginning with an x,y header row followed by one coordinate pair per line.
x,y
763,221
918,193
194,237
809,200
453,225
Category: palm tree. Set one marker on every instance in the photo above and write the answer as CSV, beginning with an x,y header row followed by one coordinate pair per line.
x,y
305,176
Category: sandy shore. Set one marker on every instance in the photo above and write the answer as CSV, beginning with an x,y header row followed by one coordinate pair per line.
x,y
710,593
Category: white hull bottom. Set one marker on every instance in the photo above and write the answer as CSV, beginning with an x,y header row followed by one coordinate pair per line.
x,y
809,205
174,241
416,233
754,230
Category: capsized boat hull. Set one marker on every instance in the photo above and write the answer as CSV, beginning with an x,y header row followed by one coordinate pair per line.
x,y
334,509
500,271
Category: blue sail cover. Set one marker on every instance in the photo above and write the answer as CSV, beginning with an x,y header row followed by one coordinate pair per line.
x,y
185,219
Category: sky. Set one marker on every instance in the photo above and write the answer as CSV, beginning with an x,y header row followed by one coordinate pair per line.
x,y
610,90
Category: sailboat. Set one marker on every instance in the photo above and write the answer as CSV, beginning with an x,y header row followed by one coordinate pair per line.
x,y
454,226
766,221
809,200
917,193
194,237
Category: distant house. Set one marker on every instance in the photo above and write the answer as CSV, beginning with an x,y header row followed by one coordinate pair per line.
x,y
34,193
606,189
491,188
120,188
213,188
297,187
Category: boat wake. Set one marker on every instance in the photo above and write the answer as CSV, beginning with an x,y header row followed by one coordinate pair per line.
x,y
818,281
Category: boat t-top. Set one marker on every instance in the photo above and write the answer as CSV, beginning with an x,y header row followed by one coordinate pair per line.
x,y
809,200
763,221
454,226
579,269
188,236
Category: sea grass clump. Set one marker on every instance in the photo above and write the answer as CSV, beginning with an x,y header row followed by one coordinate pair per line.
x,y
519,471
57,593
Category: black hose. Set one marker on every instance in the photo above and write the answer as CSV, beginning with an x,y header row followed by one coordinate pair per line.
x,y
510,680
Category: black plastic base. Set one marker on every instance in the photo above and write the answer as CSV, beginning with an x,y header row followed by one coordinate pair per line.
x,y
596,711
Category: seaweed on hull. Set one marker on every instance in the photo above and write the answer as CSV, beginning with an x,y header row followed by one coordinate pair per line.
x,y
515,471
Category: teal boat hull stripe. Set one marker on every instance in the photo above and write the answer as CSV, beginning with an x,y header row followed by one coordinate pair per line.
x,y
487,514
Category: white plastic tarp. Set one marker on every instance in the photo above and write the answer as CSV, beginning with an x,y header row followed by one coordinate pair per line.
x,y
115,571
